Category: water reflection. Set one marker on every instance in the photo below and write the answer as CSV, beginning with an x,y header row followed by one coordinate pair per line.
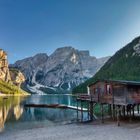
x,y
50,114
8,105
13,114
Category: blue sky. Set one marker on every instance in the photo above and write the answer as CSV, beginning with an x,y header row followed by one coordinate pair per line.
x,y
28,27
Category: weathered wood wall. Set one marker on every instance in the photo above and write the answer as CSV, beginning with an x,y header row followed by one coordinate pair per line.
x,y
119,94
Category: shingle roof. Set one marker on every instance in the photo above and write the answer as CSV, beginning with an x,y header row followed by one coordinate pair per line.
x,y
124,82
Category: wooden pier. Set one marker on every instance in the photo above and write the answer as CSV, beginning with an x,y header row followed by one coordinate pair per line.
x,y
85,100
62,106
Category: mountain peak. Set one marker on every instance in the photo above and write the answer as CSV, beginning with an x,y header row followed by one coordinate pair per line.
x,y
66,49
62,70
41,55
70,51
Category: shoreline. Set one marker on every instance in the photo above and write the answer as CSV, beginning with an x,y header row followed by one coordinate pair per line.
x,y
76,131
10,95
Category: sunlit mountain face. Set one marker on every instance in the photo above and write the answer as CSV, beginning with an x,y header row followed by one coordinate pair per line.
x,y
60,72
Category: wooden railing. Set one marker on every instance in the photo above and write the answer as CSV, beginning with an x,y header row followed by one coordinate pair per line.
x,y
110,99
83,97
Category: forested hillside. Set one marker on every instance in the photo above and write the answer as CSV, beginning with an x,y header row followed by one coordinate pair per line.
x,y
124,65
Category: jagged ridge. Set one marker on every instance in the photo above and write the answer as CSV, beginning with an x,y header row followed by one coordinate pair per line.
x,y
60,72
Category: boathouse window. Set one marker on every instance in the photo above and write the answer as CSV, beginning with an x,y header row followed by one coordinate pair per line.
x,y
102,89
108,89
133,90
96,90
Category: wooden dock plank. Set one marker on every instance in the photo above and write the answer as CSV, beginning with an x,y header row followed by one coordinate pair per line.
x,y
54,106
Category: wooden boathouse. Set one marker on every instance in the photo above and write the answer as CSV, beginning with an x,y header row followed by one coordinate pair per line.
x,y
121,97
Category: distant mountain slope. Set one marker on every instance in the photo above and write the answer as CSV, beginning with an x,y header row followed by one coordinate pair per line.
x,y
60,72
124,65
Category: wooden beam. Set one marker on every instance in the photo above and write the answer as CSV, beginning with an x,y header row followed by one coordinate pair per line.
x,y
81,112
116,110
118,115
77,112
133,107
91,111
109,110
130,119
102,114
123,111
127,109
88,111
138,108
113,112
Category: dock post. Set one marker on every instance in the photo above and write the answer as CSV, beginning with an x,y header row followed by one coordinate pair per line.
x,y
77,111
138,108
130,119
127,109
133,107
116,110
91,110
109,110
118,115
124,111
113,112
88,110
102,115
81,111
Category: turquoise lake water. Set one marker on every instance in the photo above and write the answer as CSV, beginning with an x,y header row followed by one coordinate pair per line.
x,y
14,115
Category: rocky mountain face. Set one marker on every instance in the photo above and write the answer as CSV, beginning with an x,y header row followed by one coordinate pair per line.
x,y
123,65
9,75
4,70
17,77
60,72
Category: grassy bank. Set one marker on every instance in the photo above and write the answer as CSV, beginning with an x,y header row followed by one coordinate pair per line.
x,y
9,89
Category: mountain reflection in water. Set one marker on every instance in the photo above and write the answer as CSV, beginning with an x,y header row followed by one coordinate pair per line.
x,y
13,114
9,107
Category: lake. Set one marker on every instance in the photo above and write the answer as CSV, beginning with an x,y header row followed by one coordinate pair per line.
x,y
14,115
